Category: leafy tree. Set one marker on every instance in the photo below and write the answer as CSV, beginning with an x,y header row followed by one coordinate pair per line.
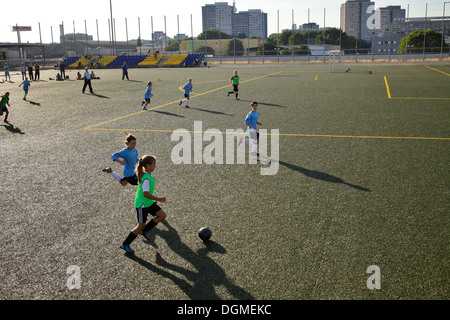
x,y
174,45
238,50
213,34
267,48
415,41
204,49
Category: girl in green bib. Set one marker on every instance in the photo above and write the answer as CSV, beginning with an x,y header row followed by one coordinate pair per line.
x,y
145,202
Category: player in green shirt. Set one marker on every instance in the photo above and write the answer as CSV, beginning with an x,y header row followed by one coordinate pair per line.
x,y
145,202
3,102
235,84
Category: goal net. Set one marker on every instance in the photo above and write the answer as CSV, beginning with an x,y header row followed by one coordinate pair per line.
x,y
337,62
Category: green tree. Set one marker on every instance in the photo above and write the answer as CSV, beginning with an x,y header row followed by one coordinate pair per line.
x,y
415,41
206,49
213,34
267,48
174,45
235,47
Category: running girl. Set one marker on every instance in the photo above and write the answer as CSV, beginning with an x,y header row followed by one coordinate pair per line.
x,y
128,157
145,202
235,84
25,84
187,90
3,102
147,96
251,120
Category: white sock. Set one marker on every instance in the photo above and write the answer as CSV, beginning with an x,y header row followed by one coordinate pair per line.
x,y
116,176
255,147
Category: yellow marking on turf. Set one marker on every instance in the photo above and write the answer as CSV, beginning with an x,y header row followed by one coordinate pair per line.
x,y
408,98
279,134
437,70
387,88
164,105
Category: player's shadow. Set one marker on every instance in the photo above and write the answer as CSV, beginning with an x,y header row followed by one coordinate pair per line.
x,y
168,113
100,96
33,103
201,282
213,112
265,104
320,175
13,129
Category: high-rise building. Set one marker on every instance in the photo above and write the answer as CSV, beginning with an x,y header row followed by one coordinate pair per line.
x,y
358,18
386,16
223,17
218,16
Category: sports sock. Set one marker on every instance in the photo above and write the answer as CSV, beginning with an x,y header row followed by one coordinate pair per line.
x,y
151,224
255,147
130,238
116,176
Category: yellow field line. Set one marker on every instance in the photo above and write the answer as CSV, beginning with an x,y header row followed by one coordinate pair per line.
x,y
437,70
279,134
197,95
408,98
387,88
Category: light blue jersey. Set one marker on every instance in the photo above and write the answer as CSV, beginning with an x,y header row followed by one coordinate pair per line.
x,y
148,93
252,118
131,159
26,85
187,88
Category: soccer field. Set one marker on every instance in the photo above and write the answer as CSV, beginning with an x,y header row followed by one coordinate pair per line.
x,y
360,183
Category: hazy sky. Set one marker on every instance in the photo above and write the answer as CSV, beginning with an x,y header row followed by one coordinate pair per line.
x,y
50,14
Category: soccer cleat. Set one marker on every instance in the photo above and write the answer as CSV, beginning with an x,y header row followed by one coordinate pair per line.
x,y
145,108
107,170
228,94
186,106
180,103
126,247
6,121
237,98
146,236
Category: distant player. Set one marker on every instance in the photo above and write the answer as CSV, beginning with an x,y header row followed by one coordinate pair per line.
x,y
187,90
26,84
3,102
147,96
235,84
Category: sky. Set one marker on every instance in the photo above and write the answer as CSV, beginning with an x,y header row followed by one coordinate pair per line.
x,y
49,14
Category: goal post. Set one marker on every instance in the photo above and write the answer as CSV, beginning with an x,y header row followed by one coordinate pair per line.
x,y
336,61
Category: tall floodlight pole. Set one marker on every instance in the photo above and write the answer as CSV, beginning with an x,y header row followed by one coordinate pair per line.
x,y
442,40
112,28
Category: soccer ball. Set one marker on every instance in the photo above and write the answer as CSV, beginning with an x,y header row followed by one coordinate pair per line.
x,y
204,233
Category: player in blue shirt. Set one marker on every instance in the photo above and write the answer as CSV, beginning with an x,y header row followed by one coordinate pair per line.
x,y
26,84
187,90
128,157
147,96
251,120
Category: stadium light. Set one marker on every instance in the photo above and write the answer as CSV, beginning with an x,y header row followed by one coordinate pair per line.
x,y
443,19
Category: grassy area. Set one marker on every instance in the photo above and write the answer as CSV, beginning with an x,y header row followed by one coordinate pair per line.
x,y
362,180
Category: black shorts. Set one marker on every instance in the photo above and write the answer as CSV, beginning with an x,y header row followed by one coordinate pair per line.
x,y
3,109
186,95
147,100
142,213
131,180
235,87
